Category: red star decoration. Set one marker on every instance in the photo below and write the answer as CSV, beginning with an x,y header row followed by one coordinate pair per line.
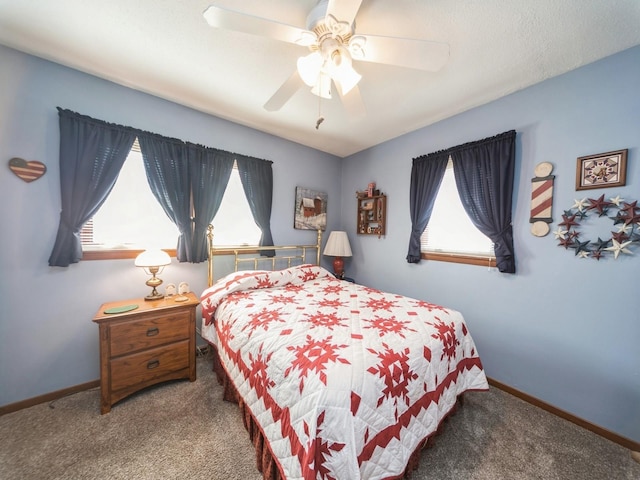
x,y
597,254
599,204
630,208
630,213
566,242
568,221
620,237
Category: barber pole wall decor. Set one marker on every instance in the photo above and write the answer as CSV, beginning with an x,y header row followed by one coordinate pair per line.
x,y
541,199
27,171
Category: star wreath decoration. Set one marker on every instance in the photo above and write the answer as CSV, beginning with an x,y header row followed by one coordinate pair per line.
x,y
626,218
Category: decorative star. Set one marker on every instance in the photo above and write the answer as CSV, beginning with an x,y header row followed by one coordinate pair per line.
x,y
599,204
568,221
581,214
583,253
625,228
630,208
573,234
597,254
630,220
616,200
619,236
566,242
619,247
600,244
619,218
580,204
581,247
559,233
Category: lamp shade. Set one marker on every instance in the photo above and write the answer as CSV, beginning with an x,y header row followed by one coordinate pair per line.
x,y
153,258
338,245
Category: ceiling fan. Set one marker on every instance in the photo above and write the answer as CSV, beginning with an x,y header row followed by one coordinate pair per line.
x,y
331,38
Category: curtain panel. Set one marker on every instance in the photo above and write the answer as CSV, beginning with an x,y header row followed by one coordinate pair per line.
x,y
427,173
256,176
484,172
188,180
92,153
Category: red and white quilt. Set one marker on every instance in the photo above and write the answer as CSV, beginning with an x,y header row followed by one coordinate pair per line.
x,y
345,381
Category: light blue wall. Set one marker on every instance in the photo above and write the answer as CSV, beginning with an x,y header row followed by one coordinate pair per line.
x,y
563,329
47,339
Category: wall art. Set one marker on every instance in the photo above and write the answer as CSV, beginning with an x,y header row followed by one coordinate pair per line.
x,y
310,210
541,199
27,171
602,170
625,218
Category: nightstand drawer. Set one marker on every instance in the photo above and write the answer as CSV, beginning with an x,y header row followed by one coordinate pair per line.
x,y
148,332
148,365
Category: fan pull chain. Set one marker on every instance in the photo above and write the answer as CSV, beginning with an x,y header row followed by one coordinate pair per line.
x,y
320,117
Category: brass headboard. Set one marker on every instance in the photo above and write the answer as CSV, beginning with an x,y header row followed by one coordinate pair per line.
x,y
291,254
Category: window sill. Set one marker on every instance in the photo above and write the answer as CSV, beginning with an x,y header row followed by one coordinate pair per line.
x,y
131,253
118,254
459,258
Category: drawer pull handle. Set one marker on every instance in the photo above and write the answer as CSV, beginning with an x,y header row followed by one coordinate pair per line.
x,y
153,364
152,332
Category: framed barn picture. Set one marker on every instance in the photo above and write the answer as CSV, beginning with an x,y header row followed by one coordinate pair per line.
x,y
310,210
602,170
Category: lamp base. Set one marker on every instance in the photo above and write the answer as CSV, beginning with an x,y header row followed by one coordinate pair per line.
x,y
154,297
154,282
338,267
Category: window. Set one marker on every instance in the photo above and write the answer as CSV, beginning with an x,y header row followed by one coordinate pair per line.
x,y
131,219
450,235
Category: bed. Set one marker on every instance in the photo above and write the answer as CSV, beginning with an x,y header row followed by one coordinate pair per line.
x,y
335,380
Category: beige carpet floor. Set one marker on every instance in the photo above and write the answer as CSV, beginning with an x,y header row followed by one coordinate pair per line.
x,y
183,430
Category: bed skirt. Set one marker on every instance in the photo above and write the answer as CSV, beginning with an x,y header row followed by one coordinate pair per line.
x,y
265,461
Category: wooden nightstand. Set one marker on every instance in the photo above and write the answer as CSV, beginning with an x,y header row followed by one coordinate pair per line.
x,y
152,343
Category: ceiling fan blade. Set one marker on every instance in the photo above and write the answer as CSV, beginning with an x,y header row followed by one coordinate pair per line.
x,y
405,52
243,22
353,103
284,93
344,10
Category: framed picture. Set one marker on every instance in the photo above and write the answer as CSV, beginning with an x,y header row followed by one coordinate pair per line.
x,y
310,210
602,170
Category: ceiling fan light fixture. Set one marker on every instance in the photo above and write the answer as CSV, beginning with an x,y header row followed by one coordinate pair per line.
x,y
347,79
341,70
309,68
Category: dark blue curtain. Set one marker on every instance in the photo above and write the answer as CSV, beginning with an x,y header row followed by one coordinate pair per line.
x,y
484,177
209,171
189,181
167,167
256,176
426,176
91,155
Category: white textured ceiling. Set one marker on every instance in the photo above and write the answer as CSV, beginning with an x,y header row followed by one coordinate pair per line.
x,y
166,48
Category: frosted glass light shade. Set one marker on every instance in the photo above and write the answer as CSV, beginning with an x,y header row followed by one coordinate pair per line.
x,y
309,68
153,258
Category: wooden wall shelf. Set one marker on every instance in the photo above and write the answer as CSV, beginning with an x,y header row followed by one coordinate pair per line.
x,y
372,215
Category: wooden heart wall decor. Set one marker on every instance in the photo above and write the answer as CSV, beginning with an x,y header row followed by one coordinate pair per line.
x,y
27,171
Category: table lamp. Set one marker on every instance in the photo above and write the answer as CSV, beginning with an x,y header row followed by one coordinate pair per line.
x,y
338,246
153,262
